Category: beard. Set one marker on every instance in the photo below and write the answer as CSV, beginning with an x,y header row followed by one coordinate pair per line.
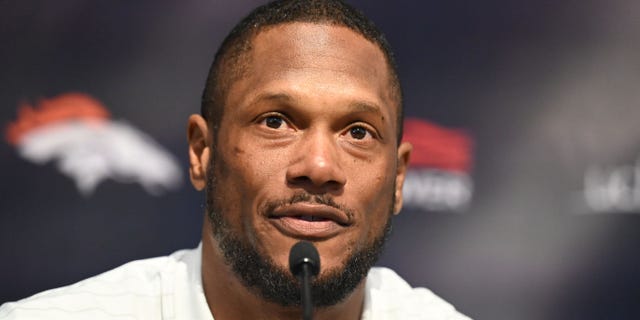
x,y
264,277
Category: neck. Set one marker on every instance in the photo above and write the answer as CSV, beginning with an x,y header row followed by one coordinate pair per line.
x,y
229,299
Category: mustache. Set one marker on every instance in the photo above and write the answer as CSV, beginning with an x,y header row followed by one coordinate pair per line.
x,y
305,197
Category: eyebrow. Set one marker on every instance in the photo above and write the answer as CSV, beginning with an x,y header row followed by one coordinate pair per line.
x,y
270,97
365,107
353,106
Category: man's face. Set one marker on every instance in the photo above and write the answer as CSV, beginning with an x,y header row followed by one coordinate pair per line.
x,y
307,148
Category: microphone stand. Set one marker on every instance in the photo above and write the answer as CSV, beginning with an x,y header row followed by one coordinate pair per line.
x,y
304,263
307,304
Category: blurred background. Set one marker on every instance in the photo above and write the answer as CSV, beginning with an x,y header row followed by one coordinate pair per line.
x,y
524,202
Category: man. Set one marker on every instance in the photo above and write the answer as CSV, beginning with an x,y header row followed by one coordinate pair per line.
x,y
299,139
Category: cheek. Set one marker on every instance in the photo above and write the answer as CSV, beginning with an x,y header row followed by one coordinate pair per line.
x,y
375,194
374,180
240,167
246,173
234,182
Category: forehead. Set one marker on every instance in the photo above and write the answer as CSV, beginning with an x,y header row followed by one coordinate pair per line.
x,y
290,40
330,57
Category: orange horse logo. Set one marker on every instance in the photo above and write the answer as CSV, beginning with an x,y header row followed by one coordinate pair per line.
x,y
76,131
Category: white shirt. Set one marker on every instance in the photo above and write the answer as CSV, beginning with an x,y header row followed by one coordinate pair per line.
x,y
171,288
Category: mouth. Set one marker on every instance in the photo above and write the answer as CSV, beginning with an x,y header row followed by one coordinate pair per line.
x,y
309,221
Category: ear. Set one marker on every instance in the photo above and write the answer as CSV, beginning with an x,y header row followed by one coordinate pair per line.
x,y
404,153
199,140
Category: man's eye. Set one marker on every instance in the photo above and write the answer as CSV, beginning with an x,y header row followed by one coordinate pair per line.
x,y
274,122
358,133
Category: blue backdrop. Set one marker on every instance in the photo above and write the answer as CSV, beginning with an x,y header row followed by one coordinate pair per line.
x,y
540,98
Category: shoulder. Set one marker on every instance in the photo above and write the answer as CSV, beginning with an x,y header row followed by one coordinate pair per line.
x,y
388,296
121,293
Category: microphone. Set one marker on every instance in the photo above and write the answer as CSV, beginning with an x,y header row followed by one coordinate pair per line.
x,y
304,262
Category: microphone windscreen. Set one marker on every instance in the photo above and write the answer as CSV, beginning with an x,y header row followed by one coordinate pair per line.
x,y
301,253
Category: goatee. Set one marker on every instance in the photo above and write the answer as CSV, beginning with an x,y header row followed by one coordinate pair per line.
x,y
263,276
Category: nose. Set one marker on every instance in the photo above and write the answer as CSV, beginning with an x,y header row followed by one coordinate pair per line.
x,y
316,165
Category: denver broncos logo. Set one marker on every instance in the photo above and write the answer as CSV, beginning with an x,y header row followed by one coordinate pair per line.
x,y
439,177
435,146
76,131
